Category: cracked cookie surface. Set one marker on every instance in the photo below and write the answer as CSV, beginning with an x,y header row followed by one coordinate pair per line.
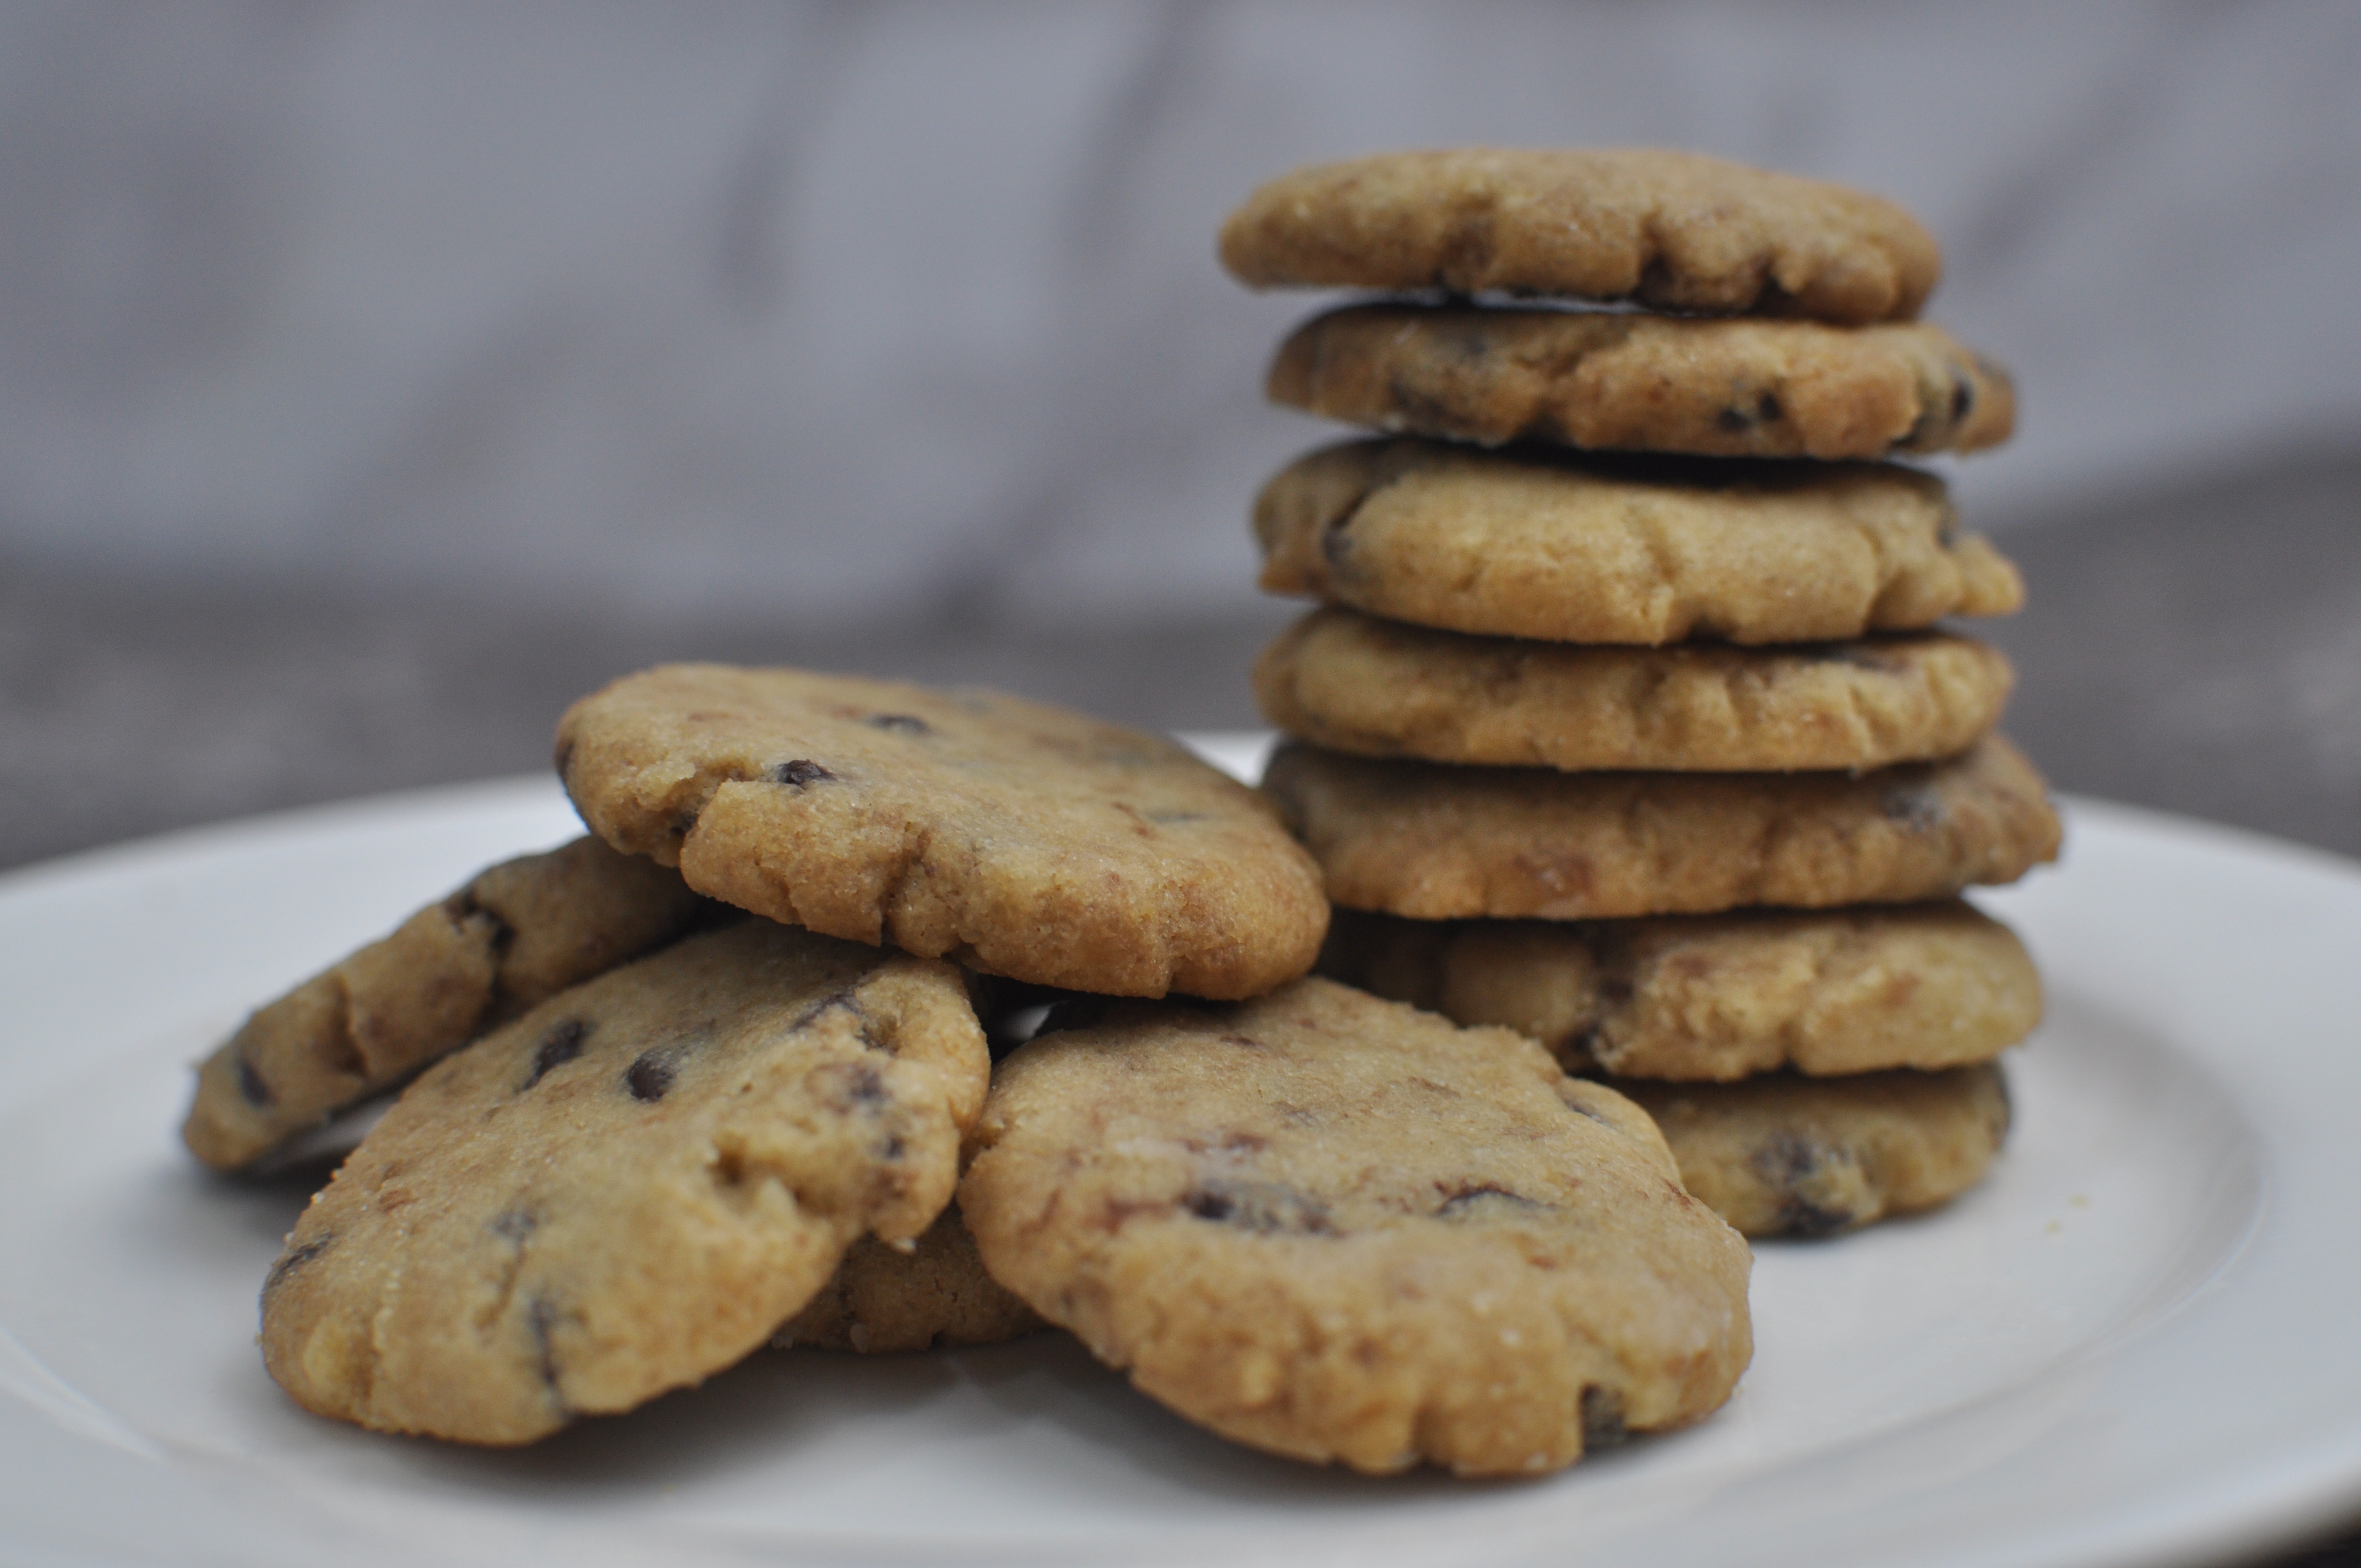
x,y
518,932
1013,836
1715,997
1440,841
1607,380
628,1189
1808,1156
1677,230
1564,547
1352,683
1336,1228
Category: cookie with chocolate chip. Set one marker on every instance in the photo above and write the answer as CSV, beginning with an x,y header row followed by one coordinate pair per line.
x,y
885,1299
1714,996
629,1188
1792,1156
1018,838
1580,548
1352,683
1437,841
1609,380
1677,230
1342,1229
521,931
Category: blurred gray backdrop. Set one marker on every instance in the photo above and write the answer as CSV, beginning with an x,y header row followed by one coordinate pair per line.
x,y
376,376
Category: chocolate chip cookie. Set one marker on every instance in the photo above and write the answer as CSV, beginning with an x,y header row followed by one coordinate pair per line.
x,y
1339,1229
1015,838
1614,380
885,1299
1714,996
1675,230
1593,549
1437,842
521,931
1790,1155
1352,683
629,1188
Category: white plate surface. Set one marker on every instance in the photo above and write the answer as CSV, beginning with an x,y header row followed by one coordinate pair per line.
x,y
2133,1343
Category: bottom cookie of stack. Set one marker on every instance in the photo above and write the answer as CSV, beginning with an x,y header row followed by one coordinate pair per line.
x,y
1812,1070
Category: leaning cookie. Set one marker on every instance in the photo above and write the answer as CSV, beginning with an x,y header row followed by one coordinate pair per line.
x,y
1352,683
523,930
1338,1229
1613,381
1678,230
1567,547
628,1189
1788,1155
1714,996
1439,842
1016,838
886,1299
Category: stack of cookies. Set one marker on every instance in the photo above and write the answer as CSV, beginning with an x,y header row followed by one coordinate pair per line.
x,y
1624,722
719,1076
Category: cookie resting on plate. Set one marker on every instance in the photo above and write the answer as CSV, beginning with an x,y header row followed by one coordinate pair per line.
x,y
1339,1229
628,1189
1016,838
521,931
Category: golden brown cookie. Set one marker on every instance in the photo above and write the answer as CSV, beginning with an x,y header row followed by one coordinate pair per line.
x,y
1789,1156
1352,683
1677,230
886,1299
1714,996
1564,547
521,931
1436,841
1340,1229
1612,380
1013,836
629,1188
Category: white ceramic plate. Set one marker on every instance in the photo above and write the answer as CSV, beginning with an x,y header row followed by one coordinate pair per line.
x,y
2135,1343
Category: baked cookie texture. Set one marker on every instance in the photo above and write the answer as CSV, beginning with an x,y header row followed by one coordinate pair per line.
x,y
1608,379
1013,836
516,933
629,1188
1715,997
1335,1228
885,1300
1562,547
1352,683
1437,841
1789,1156
1675,230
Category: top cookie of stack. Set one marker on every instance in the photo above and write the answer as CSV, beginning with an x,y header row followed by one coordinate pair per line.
x,y
1663,663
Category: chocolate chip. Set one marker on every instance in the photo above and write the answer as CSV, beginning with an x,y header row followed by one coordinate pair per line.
x,y
1767,410
295,1258
540,1318
1787,1164
1602,1418
250,1086
1963,395
516,1224
650,1076
893,1148
901,724
1466,1201
560,1046
844,1086
1914,807
800,772
1733,422
1265,1208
